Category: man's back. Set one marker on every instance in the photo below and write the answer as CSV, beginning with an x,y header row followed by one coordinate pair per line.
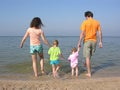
x,y
90,26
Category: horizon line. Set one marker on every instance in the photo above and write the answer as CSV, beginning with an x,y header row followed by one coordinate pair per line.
x,y
55,36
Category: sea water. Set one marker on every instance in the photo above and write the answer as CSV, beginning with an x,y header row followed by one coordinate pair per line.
x,y
105,61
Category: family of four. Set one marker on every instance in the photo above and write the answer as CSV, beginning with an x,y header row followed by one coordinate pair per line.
x,y
88,35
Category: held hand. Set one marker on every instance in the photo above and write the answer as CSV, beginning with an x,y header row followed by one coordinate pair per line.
x,y
79,45
100,45
62,58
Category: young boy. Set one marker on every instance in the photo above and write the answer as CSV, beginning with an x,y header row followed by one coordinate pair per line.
x,y
54,53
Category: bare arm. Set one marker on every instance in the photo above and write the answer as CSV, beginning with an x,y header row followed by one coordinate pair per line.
x,y
78,49
23,40
61,55
45,40
80,39
100,38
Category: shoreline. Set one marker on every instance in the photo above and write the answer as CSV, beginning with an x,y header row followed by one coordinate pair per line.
x,y
110,83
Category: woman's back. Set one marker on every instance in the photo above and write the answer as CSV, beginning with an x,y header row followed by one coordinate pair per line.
x,y
34,36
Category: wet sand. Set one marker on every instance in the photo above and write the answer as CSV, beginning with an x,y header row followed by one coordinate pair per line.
x,y
47,82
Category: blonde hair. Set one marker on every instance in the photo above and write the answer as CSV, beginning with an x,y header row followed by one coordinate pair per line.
x,y
74,49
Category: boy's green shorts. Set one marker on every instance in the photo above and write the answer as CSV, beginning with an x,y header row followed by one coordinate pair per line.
x,y
89,48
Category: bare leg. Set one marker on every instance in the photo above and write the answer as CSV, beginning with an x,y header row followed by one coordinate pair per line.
x,y
42,66
72,72
88,64
42,63
56,71
34,59
77,71
53,70
58,66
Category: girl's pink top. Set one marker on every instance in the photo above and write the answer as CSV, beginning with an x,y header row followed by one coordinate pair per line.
x,y
73,58
34,36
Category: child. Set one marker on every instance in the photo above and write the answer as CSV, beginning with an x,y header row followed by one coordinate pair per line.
x,y
73,58
54,53
35,32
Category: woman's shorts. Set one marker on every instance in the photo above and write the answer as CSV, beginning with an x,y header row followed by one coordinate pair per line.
x,y
54,62
36,49
89,48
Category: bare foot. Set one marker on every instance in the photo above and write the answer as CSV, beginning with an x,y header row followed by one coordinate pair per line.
x,y
57,75
43,73
54,75
36,76
72,76
88,75
76,77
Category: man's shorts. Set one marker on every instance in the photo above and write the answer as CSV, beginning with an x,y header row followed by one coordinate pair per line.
x,y
54,62
36,49
89,48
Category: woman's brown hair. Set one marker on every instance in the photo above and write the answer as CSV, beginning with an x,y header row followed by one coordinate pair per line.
x,y
36,22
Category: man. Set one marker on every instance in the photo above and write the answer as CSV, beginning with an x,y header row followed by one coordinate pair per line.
x,y
89,29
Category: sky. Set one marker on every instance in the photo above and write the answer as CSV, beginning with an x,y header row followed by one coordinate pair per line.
x,y
60,17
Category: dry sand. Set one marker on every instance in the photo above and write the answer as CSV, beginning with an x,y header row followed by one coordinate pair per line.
x,y
49,83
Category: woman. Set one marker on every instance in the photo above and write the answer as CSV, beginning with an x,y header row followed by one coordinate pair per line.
x,y
35,32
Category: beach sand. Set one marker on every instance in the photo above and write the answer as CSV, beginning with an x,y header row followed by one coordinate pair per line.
x,y
47,82
23,80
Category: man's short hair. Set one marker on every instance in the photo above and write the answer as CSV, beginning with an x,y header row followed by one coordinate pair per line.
x,y
88,14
